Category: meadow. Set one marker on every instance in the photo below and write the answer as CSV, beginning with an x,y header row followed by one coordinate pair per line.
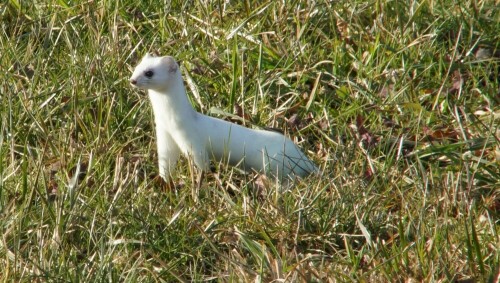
x,y
397,102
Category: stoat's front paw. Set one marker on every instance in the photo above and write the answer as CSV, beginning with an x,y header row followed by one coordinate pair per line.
x,y
166,185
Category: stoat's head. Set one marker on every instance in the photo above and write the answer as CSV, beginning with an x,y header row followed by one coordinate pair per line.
x,y
156,73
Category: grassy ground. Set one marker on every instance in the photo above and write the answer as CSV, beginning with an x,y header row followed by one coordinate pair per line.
x,y
396,101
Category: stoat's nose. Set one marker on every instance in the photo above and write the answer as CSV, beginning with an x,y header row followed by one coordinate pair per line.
x,y
132,81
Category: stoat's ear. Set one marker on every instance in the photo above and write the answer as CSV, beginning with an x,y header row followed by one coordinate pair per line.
x,y
147,56
170,63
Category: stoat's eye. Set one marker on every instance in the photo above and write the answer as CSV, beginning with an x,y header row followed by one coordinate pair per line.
x,y
149,74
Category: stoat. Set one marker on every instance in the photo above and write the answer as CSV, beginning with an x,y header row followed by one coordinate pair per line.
x,y
180,129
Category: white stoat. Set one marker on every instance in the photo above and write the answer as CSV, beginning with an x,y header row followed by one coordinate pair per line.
x,y
180,129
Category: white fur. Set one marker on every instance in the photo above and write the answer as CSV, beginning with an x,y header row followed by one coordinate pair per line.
x,y
180,129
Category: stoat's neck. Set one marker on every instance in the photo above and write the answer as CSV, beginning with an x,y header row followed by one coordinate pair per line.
x,y
171,106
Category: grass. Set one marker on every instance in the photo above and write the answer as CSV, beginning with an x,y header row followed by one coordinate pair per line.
x,y
396,101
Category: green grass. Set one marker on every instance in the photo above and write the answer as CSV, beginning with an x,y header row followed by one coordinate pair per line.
x,y
397,102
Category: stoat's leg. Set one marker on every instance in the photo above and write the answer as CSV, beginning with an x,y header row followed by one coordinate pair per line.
x,y
168,153
199,180
201,159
